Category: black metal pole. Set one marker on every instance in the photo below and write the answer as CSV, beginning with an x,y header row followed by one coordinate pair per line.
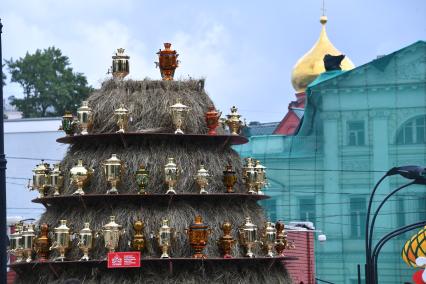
x,y
359,273
373,221
3,225
367,222
385,239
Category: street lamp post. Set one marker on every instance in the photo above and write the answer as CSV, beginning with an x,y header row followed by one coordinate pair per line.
x,y
415,173
3,225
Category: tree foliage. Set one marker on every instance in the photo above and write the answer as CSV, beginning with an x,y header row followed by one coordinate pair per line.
x,y
50,86
3,77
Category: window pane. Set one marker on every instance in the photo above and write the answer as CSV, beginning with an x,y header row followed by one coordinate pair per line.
x,y
307,209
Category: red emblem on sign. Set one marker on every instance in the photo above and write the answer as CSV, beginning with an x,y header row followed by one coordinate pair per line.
x,y
124,259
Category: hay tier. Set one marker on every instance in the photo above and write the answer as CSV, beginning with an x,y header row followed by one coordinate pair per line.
x,y
146,143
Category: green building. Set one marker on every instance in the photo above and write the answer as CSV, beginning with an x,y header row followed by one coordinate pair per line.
x,y
357,124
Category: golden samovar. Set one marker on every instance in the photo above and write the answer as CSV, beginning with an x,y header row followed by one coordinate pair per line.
x,y
28,236
62,241
202,179
247,234
42,243
40,179
56,179
112,233
178,112
165,236
85,117
261,180
234,123
80,175
269,238
249,176
15,247
226,242
172,173
85,241
229,178
121,115
138,242
113,170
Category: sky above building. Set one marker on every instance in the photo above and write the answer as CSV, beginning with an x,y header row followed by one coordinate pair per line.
x,y
244,49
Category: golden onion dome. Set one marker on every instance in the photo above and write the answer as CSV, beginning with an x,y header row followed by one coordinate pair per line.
x,y
310,65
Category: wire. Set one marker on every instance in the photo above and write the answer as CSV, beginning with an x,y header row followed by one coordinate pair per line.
x,y
33,159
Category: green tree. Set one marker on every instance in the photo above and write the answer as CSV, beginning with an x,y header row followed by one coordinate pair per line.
x,y
3,77
50,86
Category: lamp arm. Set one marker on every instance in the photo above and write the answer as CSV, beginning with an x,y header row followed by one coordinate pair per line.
x,y
373,221
383,241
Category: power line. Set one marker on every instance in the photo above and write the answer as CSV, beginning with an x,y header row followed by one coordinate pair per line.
x,y
33,159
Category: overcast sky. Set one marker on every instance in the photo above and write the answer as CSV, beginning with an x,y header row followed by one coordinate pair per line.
x,y
244,49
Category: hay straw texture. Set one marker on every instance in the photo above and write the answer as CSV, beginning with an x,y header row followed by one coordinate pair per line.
x,y
148,102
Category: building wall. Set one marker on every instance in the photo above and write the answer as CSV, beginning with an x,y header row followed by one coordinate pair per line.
x,y
348,140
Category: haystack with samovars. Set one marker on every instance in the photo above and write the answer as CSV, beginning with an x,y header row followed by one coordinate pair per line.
x,y
143,155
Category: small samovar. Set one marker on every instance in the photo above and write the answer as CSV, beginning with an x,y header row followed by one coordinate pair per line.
x,y
229,178
28,236
68,124
226,242
138,242
165,237
121,115
249,176
15,238
212,120
62,240
261,180
247,234
167,62
42,243
282,243
120,64
172,173
85,117
178,112
202,179
198,234
112,233
142,179
269,238
80,175
85,241
113,170
56,179
40,179
234,123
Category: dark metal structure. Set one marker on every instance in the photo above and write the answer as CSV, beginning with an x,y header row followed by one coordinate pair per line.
x,y
3,225
418,176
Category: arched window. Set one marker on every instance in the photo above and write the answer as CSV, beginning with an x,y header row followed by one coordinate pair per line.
x,y
413,131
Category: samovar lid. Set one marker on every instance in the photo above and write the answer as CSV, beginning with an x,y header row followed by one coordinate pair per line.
x,y
41,168
112,224
165,223
84,107
170,162
198,223
62,228
120,54
114,160
202,171
234,113
121,110
86,229
179,106
79,168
